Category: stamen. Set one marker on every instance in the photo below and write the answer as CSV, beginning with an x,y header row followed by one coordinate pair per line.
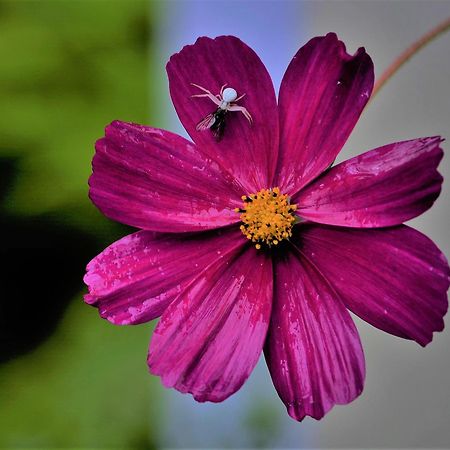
x,y
267,217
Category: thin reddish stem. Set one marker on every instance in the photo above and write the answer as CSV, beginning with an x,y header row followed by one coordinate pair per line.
x,y
409,52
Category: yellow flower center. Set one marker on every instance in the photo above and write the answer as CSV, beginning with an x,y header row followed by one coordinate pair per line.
x,y
267,217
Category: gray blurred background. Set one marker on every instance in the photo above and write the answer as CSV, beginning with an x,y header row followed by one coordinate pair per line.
x,y
406,401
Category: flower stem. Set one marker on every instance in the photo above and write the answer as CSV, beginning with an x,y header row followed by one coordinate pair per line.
x,y
409,52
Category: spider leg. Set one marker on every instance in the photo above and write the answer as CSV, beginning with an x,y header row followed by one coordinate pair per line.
x,y
210,96
222,88
201,88
243,95
242,110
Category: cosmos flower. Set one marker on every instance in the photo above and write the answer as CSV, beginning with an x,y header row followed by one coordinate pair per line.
x,y
251,243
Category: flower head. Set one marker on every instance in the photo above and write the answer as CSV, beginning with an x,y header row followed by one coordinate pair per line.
x,y
250,244
267,217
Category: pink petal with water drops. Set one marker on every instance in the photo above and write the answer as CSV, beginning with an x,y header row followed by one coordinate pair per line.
x,y
248,151
379,188
322,95
136,278
209,340
313,349
394,278
153,179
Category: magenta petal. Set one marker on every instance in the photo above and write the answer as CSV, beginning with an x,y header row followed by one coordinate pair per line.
x,y
394,278
137,277
313,349
382,187
247,151
321,98
208,341
156,180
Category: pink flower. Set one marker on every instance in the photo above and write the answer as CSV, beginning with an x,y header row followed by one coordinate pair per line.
x,y
327,240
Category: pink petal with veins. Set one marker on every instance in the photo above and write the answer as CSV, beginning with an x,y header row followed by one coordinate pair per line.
x,y
155,180
322,95
248,151
313,349
394,278
379,188
136,278
209,340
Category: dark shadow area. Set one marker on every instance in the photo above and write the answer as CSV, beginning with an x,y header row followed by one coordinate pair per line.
x,y
42,265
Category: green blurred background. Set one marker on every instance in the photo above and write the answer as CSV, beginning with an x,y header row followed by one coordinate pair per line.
x,y
67,379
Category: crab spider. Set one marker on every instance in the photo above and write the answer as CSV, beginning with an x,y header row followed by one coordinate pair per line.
x,y
225,101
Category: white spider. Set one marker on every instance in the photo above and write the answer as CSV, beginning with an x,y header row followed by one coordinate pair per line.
x,y
226,101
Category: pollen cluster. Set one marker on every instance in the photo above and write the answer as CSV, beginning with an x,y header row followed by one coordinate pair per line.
x,y
267,217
